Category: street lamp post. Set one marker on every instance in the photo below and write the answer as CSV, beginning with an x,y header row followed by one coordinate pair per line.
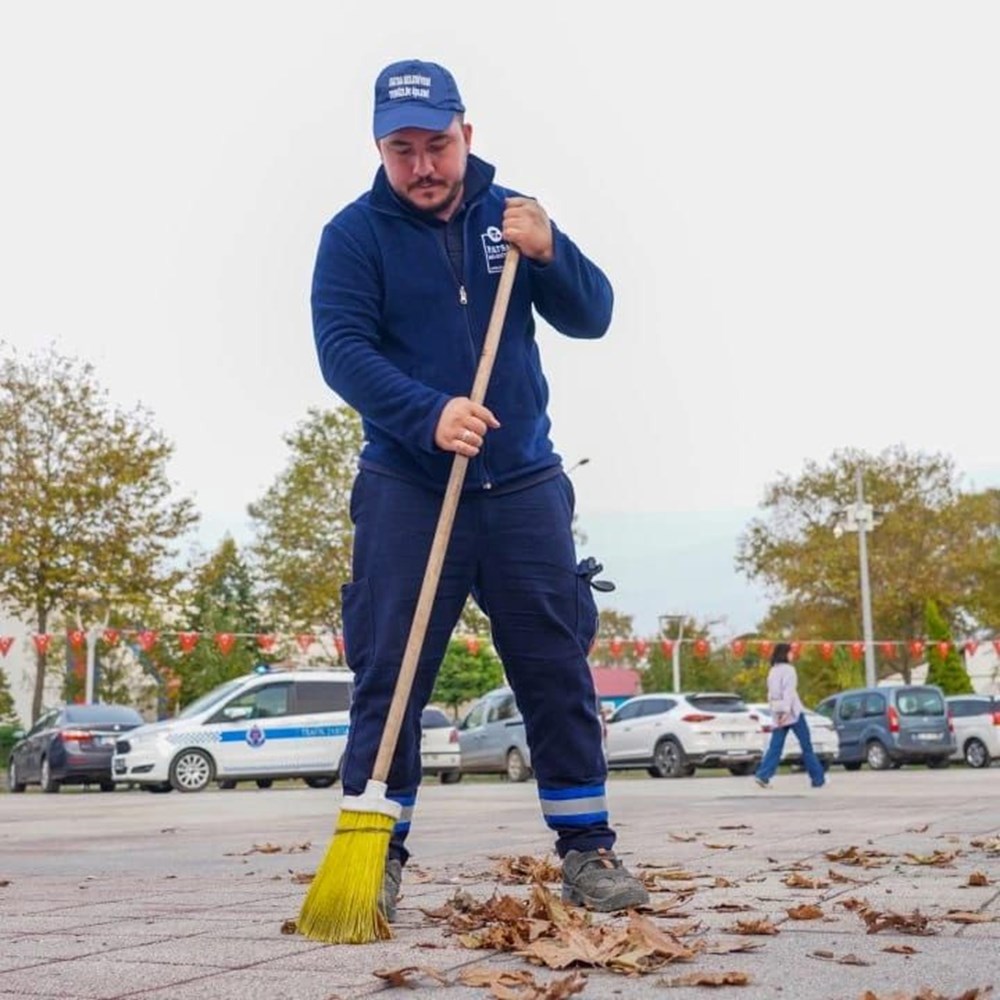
x,y
93,633
675,656
861,517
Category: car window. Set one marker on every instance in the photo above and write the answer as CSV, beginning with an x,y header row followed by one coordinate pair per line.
x,y
630,710
434,718
717,702
657,706
874,705
206,701
507,708
850,707
920,701
475,717
111,715
270,701
322,696
825,708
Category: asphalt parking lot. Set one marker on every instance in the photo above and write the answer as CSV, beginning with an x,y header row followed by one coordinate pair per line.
x,y
891,879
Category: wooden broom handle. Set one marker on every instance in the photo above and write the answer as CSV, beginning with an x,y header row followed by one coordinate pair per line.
x,y
442,534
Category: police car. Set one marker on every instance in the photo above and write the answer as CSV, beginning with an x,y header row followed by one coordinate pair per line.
x,y
263,726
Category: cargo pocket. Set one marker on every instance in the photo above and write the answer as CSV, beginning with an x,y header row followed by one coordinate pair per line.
x,y
586,608
359,624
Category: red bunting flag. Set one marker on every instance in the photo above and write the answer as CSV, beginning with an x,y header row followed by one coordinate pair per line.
x,y
305,640
887,649
640,646
971,646
472,644
111,636
188,641
944,647
6,641
796,649
77,637
826,650
667,645
266,642
701,647
766,648
225,642
916,648
615,648
338,644
147,639
42,641
857,650
996,646
738,646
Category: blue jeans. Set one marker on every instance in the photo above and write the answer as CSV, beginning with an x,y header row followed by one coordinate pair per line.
x,y
772,757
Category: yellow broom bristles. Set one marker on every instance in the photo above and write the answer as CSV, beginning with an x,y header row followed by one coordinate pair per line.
x,y
341,906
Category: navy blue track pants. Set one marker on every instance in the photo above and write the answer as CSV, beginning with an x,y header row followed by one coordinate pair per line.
x,y
514,552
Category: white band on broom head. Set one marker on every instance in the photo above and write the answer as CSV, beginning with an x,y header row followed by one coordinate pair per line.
x,y
372,800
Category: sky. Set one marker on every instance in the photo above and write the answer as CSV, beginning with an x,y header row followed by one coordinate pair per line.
x,y
797,205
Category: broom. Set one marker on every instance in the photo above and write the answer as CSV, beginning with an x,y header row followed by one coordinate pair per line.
x,y
341,906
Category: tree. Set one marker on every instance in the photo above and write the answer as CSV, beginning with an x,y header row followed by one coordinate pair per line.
x,y
303,526
221,600
932,540
946,670
86,503
7,712
466,673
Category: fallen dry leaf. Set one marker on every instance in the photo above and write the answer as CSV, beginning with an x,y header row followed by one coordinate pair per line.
x,y
731,907
406,975
303,878
918,829
926,993
709,979
270,849
941,859
842,878
762,926
978,878
989,844
289,926
682,838
525,869
901,949
828,956
521,984
964,917
807,911
876,920
858,857
721,948
797,881
721,847
722,883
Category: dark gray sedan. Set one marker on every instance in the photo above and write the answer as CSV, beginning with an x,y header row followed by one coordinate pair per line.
x,y
70,745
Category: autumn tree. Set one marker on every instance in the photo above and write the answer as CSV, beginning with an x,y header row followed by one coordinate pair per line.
x,y
932,540
220,599
467,672
303,525
7,712
86,504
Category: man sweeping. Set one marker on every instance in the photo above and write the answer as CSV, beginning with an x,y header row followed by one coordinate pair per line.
x,y
404,283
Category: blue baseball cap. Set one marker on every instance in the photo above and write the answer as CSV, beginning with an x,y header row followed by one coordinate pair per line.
x,y
415,94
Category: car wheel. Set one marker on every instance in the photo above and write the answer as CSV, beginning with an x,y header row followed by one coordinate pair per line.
x,y
877,756
265,782
320,782
191,771
669,760
49,784
107,786
517,770
742,770
13,783
852,765
976,754
228,784
937,763
451,777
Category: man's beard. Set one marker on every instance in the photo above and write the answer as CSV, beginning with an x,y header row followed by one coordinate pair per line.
x,y
435,210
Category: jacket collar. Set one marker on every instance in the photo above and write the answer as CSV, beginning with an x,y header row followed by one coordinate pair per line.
x,y
478,178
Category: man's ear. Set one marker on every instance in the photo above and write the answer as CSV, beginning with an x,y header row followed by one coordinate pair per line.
x,y
467,133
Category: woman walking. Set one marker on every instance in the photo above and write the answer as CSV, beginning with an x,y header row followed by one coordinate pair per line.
x,y
787,713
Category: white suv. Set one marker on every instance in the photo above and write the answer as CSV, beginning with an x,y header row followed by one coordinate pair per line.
x,y
673,734
273,724
976,718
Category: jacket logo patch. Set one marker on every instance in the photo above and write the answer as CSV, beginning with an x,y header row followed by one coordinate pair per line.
x,y
494,249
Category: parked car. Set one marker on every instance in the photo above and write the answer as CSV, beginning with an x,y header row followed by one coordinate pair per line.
x,y
440,750
492,737
822,731
889,726
976,718
673,734
71,745
259,727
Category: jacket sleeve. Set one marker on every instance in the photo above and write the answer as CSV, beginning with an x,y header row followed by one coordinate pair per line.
x,y
346,308
571,293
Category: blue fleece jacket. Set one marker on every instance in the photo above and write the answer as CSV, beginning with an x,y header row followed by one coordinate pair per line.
x,y
398,334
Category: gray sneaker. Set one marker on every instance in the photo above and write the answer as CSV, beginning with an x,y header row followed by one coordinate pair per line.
x,y
389,895
599,881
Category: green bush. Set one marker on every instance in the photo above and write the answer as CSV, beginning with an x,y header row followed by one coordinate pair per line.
x,y
7,740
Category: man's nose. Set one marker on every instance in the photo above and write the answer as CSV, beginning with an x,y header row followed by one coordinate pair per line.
x,y
423,164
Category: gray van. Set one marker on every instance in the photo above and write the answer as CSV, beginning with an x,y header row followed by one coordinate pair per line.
x,y
889,726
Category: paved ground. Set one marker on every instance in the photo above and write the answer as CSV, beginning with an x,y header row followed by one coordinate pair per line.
x,y
165,897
